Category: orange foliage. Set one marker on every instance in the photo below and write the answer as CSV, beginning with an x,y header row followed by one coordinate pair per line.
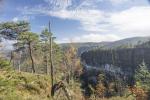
x,y
100,90
139,93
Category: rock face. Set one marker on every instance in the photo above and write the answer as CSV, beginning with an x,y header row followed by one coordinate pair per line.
x,y
126,59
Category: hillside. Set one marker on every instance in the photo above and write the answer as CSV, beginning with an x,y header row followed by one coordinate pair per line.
x,y
82,47
23,86
16,85
128,42
121,59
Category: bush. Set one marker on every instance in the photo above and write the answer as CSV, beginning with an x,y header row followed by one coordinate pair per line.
x,y
4,64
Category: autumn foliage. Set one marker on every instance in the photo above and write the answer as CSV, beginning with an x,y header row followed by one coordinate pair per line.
x,y
138,93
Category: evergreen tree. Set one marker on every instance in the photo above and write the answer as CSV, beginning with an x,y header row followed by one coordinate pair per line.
x,y
142,76
11,30
45,38
30,40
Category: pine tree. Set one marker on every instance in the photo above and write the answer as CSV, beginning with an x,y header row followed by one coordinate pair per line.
x,y
142,76
30,40
45,38
11,30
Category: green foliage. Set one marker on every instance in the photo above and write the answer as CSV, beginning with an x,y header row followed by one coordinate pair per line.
x,y
11,30
4,64
22,86
28,37
26,86
142,76
45,35
144,45
31,40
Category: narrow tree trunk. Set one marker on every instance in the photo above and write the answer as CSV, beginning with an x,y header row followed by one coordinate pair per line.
x,y
47,69
11,57
51,62
11,61
32,61
19,66
46,60
19,61
46,63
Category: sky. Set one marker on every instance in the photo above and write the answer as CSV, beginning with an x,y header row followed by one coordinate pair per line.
x,y
82,20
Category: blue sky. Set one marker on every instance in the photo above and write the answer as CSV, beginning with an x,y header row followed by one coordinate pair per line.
x,y
82,20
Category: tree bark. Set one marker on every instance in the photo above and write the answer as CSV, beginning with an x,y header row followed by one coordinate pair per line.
x,y
46,59
51,61
47,68
31,57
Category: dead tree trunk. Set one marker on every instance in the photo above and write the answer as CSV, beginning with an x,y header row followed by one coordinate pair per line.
x,y
51,62
47,69
46,61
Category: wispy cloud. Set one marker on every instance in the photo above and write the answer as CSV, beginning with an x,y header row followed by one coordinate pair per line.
x,y
89,19
133,21
92,37
86,12
127,23
15,19
58,4
118,1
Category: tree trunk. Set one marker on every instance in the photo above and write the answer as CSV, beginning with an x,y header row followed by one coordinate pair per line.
x,y
51,61
46,63
46,60
47,69
20,52
11,57
19,66
32,61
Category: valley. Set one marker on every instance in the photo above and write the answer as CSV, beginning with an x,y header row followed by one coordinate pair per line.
x,y
74,50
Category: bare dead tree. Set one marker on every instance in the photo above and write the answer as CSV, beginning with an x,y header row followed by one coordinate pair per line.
x,y
51,62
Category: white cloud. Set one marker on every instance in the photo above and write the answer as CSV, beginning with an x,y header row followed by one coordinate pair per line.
x,y
23,17
133,22
85,13
129,22
89,19
15,19
93,37
7,45
59,4
118,1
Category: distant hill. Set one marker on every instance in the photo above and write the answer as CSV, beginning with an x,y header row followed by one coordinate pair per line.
x,y
82,47
124,43
144,45
127,43
125,54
